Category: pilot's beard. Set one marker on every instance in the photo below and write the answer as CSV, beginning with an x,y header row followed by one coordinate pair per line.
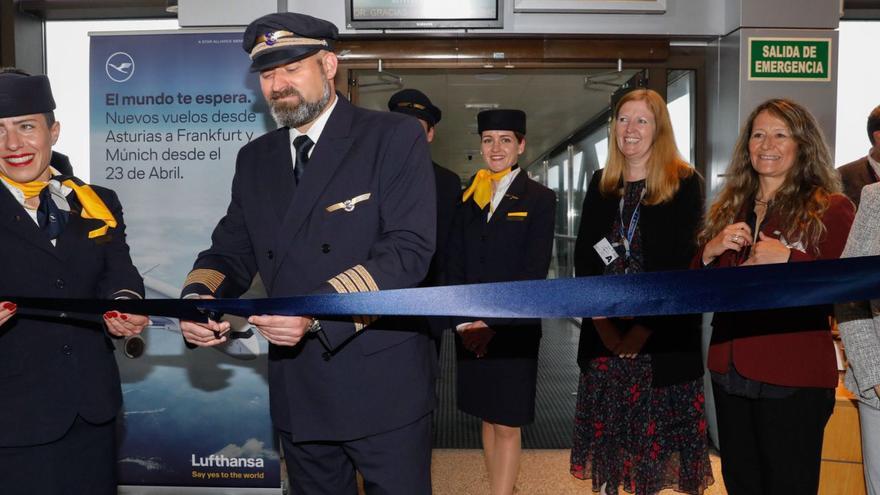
x,y
296,115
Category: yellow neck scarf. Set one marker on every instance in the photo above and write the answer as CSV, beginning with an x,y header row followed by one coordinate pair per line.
x,y
92,205
481,187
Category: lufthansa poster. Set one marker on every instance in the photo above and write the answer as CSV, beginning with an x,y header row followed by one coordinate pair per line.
x,y
169,112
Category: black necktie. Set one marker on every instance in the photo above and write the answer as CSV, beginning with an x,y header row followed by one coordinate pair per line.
x,y
303,145
50,217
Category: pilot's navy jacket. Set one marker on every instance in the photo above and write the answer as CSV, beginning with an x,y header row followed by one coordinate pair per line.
x,y
53,370
361,219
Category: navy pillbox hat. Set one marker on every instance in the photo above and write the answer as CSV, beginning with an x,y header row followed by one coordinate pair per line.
x,y
414,102
502,120
282,38
24,95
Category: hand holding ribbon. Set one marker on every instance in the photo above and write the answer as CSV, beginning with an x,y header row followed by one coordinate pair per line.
x,y
7,311
125,324
204,334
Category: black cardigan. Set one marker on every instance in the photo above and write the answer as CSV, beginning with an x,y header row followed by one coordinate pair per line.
x,y
668,234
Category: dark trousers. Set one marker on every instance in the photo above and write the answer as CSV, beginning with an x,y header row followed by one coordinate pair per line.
x,y
772,446
391,463
82,462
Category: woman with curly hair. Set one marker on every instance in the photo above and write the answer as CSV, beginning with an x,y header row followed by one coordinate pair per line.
x,y
640,421
774,371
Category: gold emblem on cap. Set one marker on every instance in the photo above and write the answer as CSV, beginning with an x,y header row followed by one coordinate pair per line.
x,y
273,36
275,39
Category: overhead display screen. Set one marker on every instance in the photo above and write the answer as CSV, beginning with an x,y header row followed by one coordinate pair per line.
x,y
428,14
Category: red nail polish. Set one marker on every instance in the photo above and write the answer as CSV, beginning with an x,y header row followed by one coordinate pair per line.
x,y
110,314
124,317
10,306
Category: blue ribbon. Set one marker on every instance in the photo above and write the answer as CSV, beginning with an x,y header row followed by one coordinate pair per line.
x,y
643,294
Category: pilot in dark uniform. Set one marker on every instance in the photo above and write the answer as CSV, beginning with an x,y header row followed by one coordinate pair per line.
x,y
414,102
60,238
338,199
502,232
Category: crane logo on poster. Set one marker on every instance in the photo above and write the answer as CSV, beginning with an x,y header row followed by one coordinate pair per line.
x,y
119,67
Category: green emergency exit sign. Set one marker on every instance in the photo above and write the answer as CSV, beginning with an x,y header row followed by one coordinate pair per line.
x,y
790,59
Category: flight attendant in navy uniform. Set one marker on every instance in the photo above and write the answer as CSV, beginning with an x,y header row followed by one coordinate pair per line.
x,y
59,237
503,231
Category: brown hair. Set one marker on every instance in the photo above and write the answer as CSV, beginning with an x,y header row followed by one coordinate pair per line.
x,y
804,196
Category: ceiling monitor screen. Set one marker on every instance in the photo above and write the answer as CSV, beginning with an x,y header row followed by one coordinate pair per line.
x,y
422,14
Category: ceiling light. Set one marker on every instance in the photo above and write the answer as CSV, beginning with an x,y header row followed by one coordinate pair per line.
x,y
481,106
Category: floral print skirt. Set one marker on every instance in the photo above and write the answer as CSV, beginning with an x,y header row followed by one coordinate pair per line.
x,y
642,439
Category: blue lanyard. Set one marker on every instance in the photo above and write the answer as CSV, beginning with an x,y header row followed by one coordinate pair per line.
x,y
627,237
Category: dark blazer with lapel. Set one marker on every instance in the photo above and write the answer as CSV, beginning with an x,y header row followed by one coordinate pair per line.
x,y
856,175
448,198
382,377
52,370
790,346
669,240
509,247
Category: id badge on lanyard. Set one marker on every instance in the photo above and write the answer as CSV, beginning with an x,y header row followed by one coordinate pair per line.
x,y
626,237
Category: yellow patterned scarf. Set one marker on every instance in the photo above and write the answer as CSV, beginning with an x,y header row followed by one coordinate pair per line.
x,y
92,205
481,187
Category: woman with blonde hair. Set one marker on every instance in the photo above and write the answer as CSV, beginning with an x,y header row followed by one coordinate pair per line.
x,y
774,371
640,421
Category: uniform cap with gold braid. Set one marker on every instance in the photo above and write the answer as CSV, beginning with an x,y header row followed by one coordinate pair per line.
x,y
282,38
414,102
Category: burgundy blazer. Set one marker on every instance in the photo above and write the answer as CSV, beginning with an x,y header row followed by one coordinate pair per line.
x,y
791,346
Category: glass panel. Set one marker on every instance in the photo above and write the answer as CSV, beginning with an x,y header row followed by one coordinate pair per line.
x,y
681,101
594,149
553,178
557,179
601,148
856,88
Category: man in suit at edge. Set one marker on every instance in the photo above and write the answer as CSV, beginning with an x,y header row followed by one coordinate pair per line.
x,y
865,170
414,102
859,324
338,199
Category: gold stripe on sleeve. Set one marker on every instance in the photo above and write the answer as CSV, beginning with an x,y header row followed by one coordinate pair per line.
x,y
207,277
337,285
367,277
356,278
346,281
126,294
